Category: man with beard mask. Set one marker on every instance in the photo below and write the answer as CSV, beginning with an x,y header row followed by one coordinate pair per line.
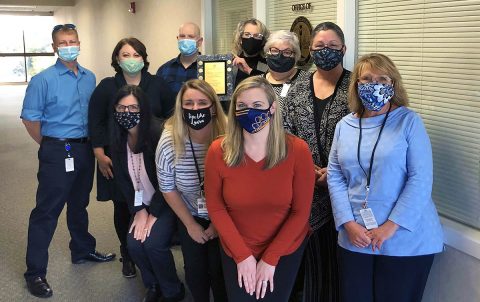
x,y
250,37
183,67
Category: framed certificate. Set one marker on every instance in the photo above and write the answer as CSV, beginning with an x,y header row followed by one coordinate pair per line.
x,y
217,70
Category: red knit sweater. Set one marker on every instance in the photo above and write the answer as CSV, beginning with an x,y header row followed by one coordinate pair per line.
x,y
260,212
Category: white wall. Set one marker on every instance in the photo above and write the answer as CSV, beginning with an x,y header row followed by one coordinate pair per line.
x,y
101,24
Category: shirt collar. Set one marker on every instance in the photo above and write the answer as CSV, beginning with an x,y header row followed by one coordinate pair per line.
x,y
62,69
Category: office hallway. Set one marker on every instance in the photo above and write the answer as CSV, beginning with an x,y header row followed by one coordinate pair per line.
x,y
85,282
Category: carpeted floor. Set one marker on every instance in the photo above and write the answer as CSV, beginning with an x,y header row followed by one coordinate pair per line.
x,y
18,183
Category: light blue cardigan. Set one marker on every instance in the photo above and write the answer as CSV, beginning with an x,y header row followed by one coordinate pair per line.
x,y
401,182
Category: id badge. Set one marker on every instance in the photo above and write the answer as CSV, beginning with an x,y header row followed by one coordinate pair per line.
x,y
285,89
69,165
138,198
368,218
202,205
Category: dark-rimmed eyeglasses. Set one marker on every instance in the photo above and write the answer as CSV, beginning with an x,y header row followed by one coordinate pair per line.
x,y
63,26
130,108
286,52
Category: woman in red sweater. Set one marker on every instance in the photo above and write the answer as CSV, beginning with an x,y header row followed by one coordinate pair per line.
x,y
259,185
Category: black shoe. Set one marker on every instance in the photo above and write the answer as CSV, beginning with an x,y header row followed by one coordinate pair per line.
x,y
178,297
39,287
128,268
153,294
95,257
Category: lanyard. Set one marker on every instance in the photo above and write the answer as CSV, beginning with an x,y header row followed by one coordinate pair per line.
x,y
137,176
200,180
369,175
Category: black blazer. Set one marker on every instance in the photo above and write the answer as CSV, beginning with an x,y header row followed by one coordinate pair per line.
x,y
100,113
102,99
124,183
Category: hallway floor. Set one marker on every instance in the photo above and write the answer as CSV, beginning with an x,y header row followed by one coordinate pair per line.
x,y
86,282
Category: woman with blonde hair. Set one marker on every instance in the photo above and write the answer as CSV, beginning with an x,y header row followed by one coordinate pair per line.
x,y
249,38
197,120
380,176
259,185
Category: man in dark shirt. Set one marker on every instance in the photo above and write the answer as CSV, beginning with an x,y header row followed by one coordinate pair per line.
x,y
184,67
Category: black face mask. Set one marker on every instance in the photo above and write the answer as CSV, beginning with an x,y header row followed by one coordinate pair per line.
x,y
252,46
127,120
197,119
280,63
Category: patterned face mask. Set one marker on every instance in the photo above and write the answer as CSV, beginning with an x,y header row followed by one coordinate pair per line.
x,y
252,119
327,58
375,95
127,120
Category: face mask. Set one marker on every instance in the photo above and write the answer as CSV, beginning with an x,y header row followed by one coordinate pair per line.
x,y
131,66
280,63
375,95
127,120
197,119
68,53
251,46
327,58
252,119
187,47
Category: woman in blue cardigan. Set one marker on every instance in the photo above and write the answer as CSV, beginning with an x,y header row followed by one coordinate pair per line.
x,y
380,178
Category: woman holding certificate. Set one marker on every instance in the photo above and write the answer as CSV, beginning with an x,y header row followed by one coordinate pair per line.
x,y
250,37
197,120
259,185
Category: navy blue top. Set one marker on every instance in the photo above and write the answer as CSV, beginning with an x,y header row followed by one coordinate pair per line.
x,y
59,100
174,74
401,182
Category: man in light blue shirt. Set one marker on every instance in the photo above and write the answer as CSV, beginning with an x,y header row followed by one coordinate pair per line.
x,y
55,112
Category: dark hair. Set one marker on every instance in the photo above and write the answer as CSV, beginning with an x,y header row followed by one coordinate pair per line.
x,y
119,133
328,26
139,48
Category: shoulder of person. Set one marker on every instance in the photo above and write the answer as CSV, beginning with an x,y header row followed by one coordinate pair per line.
x,y
168,63
297,144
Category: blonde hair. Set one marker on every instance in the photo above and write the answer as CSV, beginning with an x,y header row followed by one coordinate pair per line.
x,y
237,34
280,36
380,62
232,144
180,129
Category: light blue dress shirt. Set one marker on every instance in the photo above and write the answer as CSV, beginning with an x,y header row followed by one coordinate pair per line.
x,y
401,182
59,100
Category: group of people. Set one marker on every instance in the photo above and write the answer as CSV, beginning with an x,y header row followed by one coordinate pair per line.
x,y
312,187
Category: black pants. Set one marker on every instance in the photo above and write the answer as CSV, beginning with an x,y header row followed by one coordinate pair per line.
x,y
203,267
154,257
283,279
365,277
121,220
55,188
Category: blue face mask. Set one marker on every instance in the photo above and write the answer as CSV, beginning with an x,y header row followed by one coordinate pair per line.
x,y
252,119
187,47
327,58
68,53
375,95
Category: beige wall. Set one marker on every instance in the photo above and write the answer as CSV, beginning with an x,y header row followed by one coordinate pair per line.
x,y
101,24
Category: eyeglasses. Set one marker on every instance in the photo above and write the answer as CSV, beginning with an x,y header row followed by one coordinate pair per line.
x,y
334,46
286,52
382,79
63,26
257,36
123,108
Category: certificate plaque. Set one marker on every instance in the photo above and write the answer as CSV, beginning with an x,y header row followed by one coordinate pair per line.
x,y
217,70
